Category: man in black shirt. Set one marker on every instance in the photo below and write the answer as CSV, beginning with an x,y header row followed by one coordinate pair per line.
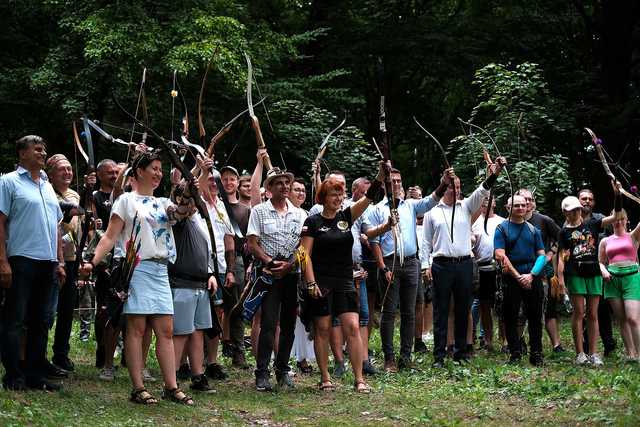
x,y
233,335
605,327
106,336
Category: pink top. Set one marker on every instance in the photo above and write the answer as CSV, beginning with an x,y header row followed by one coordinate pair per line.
x,y
621,249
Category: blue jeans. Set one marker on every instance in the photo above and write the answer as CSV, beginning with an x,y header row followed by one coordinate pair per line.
x,y
27,310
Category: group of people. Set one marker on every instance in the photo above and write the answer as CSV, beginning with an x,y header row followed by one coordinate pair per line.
x,y
188,267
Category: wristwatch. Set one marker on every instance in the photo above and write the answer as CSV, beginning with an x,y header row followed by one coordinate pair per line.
x,y
385,269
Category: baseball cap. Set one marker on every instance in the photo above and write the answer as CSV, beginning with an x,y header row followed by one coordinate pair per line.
x,y
570,203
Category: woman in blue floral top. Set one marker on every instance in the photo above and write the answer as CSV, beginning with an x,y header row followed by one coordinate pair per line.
x,y
149,297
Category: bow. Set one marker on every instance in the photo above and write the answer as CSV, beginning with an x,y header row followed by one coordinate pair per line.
x,y
203,133
227,127
448,166
395,230
597,142
86,200
193,189
495,147
323,148
252,114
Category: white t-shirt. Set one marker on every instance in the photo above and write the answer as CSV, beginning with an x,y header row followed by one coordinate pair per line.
x,y
484,243
155,233
221,226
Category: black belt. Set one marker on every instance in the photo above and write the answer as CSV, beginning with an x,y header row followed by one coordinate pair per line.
x,y
185,276
484,263
390,257
451,259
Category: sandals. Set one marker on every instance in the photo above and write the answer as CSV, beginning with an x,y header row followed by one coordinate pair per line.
x,y
143,397
326,386
362,387
178,396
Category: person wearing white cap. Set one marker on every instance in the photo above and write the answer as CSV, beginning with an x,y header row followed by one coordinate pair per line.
x,y
578,268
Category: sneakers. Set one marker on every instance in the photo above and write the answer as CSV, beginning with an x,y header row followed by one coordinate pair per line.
x,y
63,363
238,360
262,383
368,368
438,364
285,381
558,349
184,372
107,374
582,359
339,369
146,376
215,372
52,372
419,346
390,366
596,360
201,384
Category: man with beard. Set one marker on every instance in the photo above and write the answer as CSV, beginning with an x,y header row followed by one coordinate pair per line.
x,y
272,237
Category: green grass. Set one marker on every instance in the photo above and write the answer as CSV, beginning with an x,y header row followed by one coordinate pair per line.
x,y
485,392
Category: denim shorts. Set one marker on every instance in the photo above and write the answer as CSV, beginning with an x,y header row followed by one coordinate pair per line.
x,y
149,291
191,310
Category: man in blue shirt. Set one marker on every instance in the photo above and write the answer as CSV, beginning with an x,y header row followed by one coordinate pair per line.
x,y
401,286
517,245
30,259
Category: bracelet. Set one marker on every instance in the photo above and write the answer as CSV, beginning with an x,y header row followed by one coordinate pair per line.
x,y
311,285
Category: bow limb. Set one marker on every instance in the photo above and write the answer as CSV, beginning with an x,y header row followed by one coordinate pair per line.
x,y
76,140
254,119
597,142
201,128
227,127
448,166
186,174
487,158
495,146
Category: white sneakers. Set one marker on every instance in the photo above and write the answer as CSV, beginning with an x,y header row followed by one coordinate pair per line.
x,y
582,359
596,360
593,360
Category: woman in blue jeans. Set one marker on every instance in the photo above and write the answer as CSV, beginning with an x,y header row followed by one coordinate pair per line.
x,y
149,298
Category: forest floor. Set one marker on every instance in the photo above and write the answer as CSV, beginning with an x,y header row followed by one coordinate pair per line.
x,y
484,392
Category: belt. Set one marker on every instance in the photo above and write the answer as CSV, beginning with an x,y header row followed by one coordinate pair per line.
x,y
484,263
162,261
185,276
451,259
390,257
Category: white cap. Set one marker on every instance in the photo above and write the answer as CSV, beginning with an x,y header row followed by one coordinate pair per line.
x,y
570,203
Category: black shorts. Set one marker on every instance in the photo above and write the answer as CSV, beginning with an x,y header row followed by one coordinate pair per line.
x,y
487,289
336,300
552,307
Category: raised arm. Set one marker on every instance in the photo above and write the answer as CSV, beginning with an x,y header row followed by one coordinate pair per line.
x,y
256,177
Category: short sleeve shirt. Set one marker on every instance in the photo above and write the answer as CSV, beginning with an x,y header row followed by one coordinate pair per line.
x,y
521,243
278,235
155,234
332,243
582,243
33,214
